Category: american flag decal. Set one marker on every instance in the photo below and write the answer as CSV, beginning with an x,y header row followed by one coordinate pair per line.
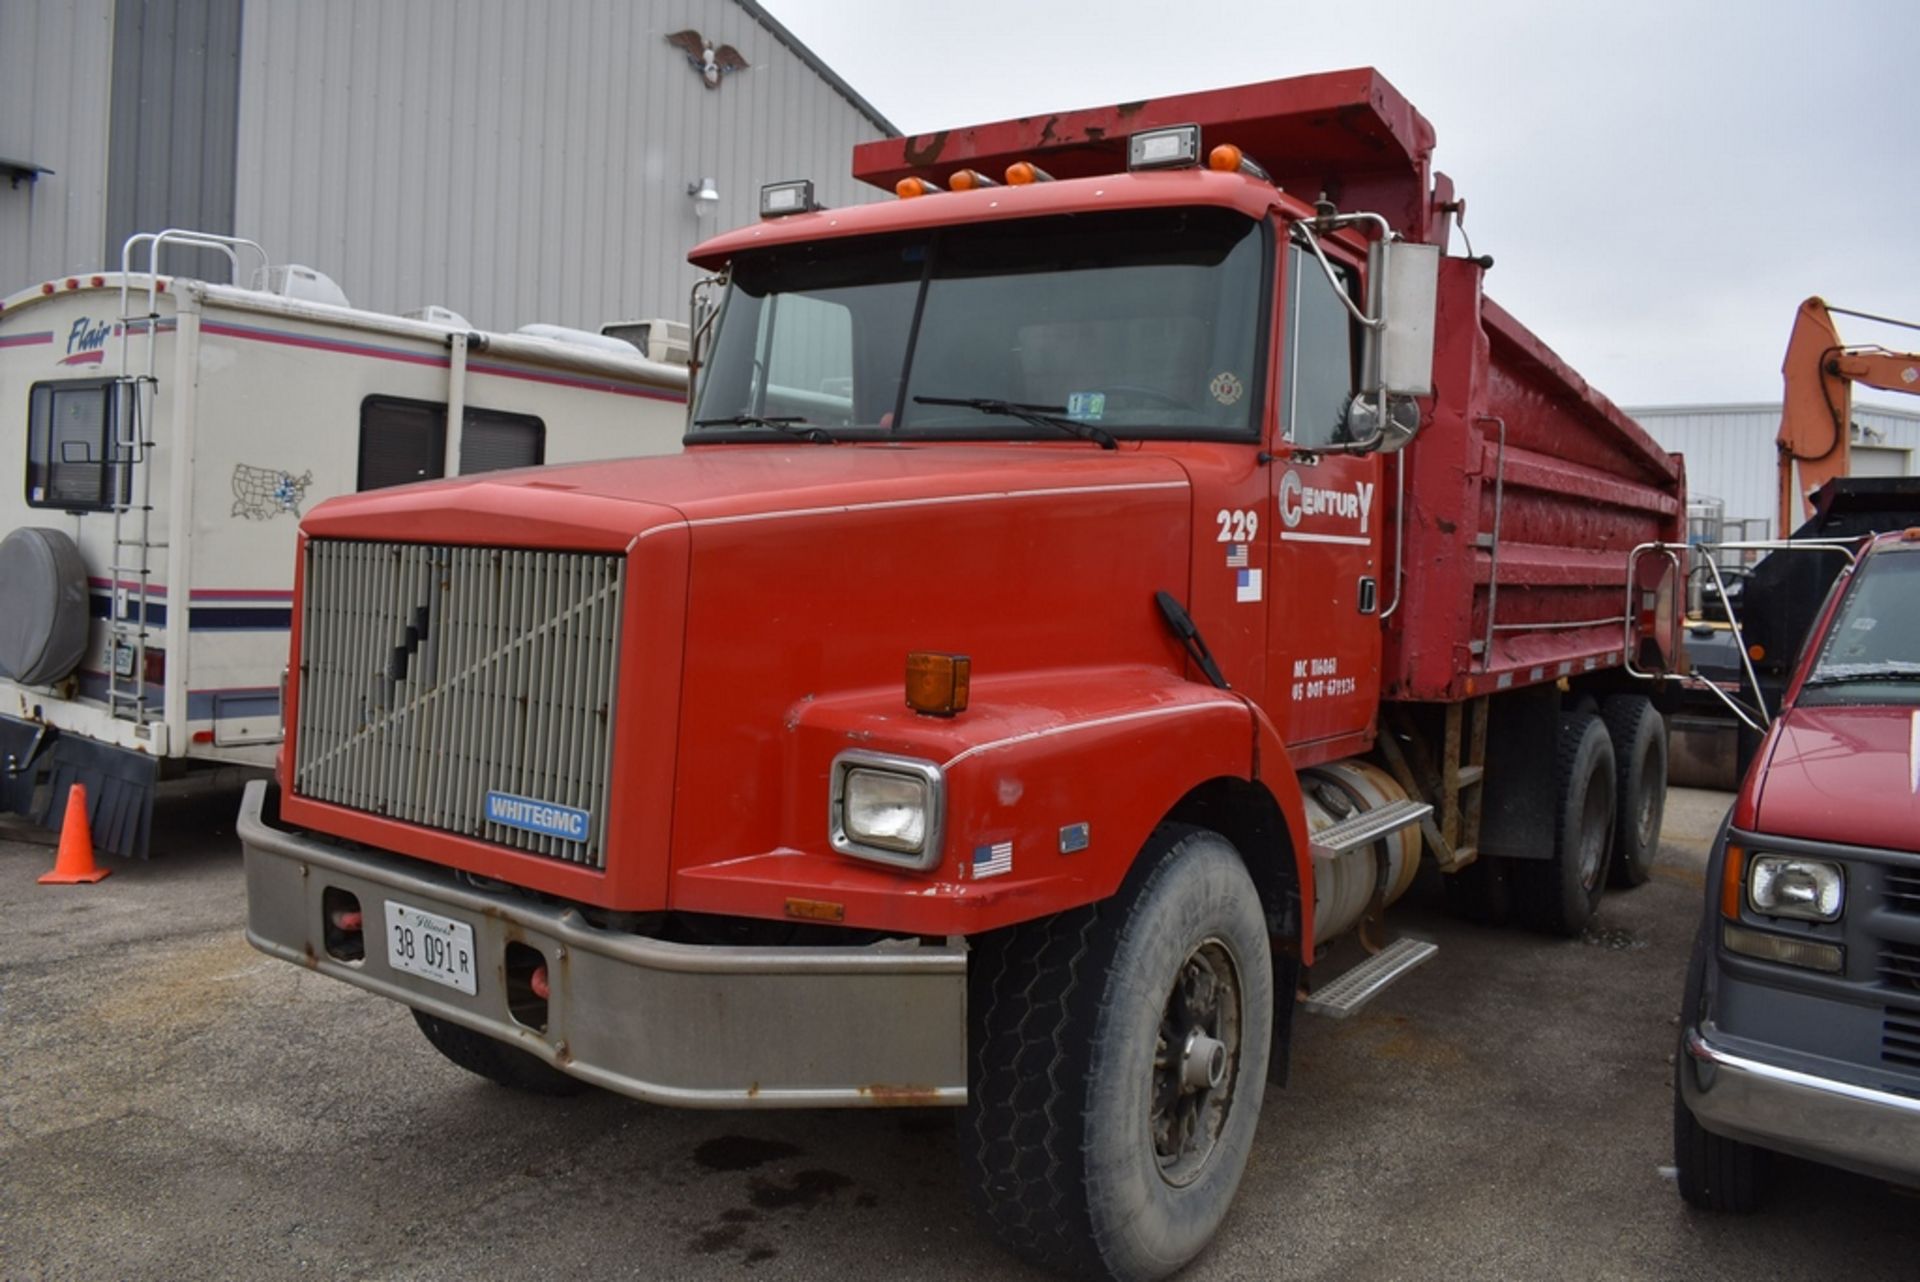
x,y
1236,556
992,861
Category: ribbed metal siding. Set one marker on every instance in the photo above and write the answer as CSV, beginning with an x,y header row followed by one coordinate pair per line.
x,y
55,78
519,162
431,676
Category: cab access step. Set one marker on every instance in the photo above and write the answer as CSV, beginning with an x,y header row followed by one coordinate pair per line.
x,y
1360,985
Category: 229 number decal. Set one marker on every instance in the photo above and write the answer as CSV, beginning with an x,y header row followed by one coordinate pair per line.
x,y
1237,526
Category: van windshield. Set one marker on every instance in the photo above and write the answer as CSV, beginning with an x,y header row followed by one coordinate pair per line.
x,y
1872,650
1142,323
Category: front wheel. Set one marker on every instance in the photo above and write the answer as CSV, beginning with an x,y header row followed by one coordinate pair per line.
x,y
1118,1055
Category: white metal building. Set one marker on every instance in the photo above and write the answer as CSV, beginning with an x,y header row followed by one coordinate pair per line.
x,y
515,161
1730,451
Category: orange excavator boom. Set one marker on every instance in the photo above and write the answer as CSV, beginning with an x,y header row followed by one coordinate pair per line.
x,y
1817,411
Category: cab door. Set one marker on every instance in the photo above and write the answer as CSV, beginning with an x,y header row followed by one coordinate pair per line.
x,y
1326,513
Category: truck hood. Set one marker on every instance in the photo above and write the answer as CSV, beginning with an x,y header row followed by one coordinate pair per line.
x,y
718,483
1849,775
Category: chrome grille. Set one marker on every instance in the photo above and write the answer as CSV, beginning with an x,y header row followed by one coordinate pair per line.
x,y
431,676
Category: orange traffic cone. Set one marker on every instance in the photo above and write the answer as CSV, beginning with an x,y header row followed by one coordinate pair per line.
x,y
74,863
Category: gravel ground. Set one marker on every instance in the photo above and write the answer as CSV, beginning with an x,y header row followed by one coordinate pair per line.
x,y
174,1105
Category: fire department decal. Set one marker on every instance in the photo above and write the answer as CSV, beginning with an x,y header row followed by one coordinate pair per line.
x,y
262,493
1226,387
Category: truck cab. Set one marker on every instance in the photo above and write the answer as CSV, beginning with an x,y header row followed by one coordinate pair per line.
x,y
1801,1020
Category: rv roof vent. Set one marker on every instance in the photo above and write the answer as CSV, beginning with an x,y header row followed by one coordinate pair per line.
x,y
666,341
303,283
435,314
579,337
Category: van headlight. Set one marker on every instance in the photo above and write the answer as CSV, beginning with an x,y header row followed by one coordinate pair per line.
x,y
1792,886
887,808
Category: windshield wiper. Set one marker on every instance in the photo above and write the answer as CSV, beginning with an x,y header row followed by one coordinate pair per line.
x,y
1039,415
791,424
1834,674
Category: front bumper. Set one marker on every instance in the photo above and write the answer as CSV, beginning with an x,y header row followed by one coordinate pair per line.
x,y
688,1025
1873,1132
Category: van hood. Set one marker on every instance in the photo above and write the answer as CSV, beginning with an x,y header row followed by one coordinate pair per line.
x,y
1849,775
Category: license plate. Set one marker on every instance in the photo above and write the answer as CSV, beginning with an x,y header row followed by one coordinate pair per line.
x,y
122,660
430,946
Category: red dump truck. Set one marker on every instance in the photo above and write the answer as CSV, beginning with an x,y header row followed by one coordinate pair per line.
x,y
1094,579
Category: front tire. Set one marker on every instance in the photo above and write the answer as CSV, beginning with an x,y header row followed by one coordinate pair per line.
x,y
1118,1056
496,1061
1558,895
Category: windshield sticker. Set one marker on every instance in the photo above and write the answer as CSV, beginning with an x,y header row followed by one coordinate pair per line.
x,y
1226,388
1087,405
1863,625
1246,585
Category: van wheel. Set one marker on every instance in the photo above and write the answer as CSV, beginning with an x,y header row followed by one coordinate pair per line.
x,y
1117,1058
1639,735
1714,1172
498,1062
1558,894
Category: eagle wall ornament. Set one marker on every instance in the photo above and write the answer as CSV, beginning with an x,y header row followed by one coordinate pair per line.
x,y
712,63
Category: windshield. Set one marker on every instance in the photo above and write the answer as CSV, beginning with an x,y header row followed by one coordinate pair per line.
x,y
1872,649
1141,323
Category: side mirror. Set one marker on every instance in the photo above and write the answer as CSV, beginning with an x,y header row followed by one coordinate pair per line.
x,y
1403,287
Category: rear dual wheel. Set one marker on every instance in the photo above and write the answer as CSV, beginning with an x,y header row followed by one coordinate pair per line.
x,y
1118,1055
1558,894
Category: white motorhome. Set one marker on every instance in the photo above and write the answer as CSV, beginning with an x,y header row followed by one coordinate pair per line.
x,y
160,438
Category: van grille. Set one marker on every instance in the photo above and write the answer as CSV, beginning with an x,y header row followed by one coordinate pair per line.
x,y
1900,1038
1899,965
432,676
1903,890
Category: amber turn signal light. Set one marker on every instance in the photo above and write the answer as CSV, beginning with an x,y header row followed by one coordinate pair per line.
x,y
1733,880
937,683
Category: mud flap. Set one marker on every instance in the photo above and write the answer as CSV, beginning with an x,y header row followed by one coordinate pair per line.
x,y
39,765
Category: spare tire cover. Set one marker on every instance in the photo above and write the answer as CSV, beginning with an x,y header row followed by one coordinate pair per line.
x,y
43,623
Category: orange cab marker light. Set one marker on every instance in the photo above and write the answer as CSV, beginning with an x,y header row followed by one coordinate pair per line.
x,y
1733,880
1022,172
970,180
1229,159
1911,534
938,684
907,188
1756,652
816,910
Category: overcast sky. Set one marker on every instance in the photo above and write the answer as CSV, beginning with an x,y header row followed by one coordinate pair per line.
x,y
1660,184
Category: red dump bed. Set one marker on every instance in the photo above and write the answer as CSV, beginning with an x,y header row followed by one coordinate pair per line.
x,y
1515,553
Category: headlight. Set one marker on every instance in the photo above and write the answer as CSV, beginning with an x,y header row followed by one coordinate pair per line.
x,y
1790,886
886,808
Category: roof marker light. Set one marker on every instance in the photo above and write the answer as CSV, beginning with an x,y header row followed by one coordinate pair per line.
x,y
777,200
1229,159
1022,172
1164,148
908,188
970,180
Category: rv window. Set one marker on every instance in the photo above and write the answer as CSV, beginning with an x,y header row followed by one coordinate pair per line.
x,y
491,440
401,441
70,446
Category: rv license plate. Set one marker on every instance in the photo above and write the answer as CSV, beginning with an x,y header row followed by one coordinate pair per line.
x,y
430,946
